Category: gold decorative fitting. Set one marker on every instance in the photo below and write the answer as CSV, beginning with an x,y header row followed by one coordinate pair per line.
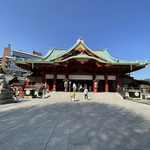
x,y
58,59
82,59
102,59
56,64
107,65
81,46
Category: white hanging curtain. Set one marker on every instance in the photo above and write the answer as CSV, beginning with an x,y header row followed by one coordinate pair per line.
x,y
80,77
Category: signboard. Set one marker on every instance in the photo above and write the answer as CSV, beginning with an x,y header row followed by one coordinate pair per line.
x,y
111,77
49,76
100,77
60,76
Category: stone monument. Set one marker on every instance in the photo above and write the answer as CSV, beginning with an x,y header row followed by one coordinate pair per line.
x,y
6,92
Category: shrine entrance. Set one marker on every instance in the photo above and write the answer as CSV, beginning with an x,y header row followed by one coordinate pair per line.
x,y
81,81
80,84
112,85
50,84
60,85
101,86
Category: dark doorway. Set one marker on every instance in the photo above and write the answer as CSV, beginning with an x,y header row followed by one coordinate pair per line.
x,y
101,86
59,85
112,85
50,84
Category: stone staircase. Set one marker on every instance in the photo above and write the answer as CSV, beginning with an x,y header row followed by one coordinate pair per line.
x,y
80,96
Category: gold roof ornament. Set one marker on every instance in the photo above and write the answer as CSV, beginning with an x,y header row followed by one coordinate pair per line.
x,y
80,40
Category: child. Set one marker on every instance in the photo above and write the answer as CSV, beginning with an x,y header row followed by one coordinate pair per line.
x,y
86,93
73,96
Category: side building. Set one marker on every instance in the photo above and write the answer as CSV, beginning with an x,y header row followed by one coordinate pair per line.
x,y
8,57
7,52
12,68
1,59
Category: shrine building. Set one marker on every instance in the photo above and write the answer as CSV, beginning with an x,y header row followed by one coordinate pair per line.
x,y
96,69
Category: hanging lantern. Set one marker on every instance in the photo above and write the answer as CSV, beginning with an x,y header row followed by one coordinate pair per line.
x,y
96,84
66,84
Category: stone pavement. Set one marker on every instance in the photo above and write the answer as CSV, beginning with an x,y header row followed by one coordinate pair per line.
x,y
144,101
55,124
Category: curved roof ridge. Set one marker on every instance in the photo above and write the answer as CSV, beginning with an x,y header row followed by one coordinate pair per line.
x,y
49,53
98,49
78,42
106,52
60,49
67,50
103,57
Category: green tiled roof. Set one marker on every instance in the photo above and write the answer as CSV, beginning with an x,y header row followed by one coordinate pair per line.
x,y
114,62
53,54
9,77
104,56
56,53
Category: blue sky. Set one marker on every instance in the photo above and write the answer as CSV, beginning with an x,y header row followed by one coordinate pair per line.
x,y
120,26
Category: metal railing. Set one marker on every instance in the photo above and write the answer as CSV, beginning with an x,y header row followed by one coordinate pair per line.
x,y
134,92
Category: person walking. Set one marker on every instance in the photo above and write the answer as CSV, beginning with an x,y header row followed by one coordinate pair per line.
x,y
73,96
86,93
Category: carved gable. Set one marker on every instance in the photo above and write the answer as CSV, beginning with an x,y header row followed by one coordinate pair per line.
x,y
80,47
80,52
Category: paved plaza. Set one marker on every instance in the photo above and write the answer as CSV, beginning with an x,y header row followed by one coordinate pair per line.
x,y
56,124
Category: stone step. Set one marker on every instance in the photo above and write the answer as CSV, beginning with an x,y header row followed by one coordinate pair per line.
x,y
91,95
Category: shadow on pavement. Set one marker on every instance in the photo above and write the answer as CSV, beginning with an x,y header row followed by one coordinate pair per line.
x,y
75,125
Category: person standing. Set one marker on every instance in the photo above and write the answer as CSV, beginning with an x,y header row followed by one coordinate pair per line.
x,y
81,88
74,87
86,93
14,94
18,94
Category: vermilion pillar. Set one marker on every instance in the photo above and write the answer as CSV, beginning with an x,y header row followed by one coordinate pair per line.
x,y
94,78
27,82
21,92
106,83
65,89
54,83
43,79
55,78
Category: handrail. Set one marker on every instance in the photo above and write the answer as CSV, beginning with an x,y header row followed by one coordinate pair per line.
x,y
125,92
